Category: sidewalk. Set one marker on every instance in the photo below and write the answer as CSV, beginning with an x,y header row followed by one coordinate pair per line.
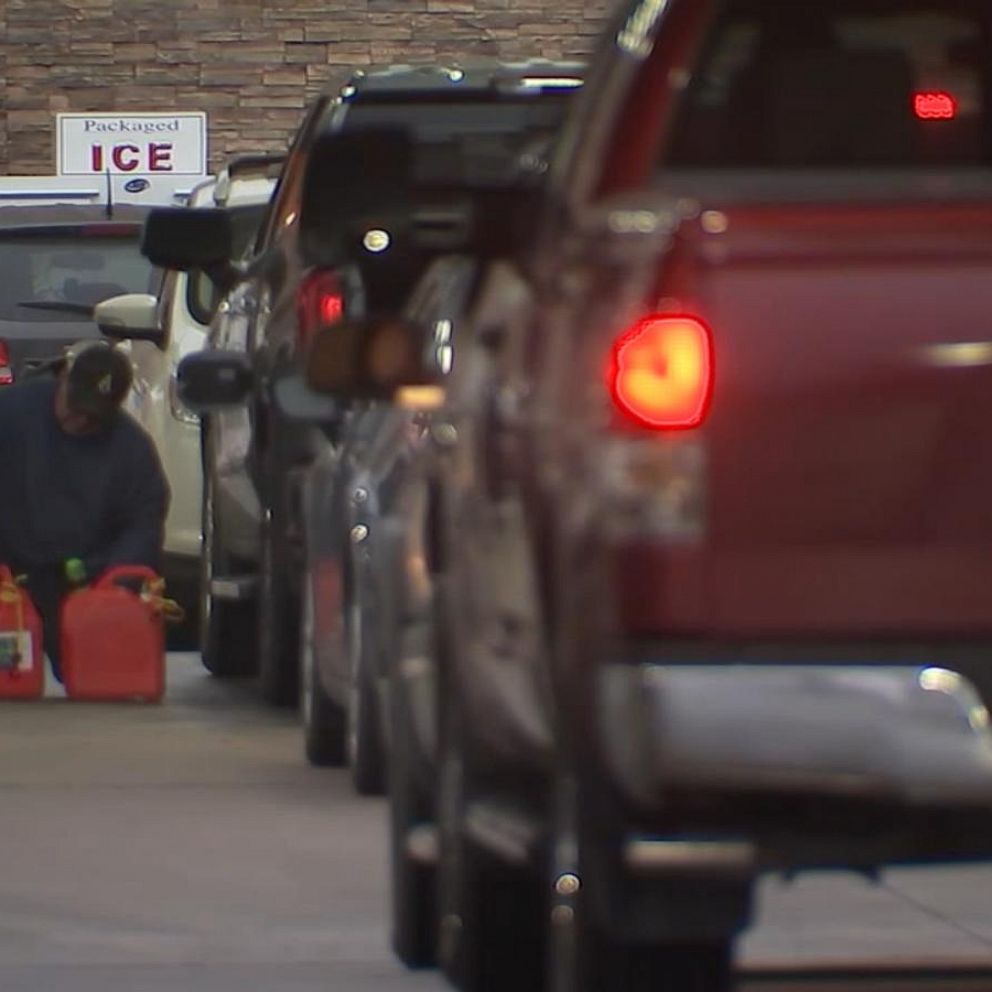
x,y
914,918
212,745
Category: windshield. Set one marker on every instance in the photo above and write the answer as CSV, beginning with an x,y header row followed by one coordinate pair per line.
x,y
50,278
876,84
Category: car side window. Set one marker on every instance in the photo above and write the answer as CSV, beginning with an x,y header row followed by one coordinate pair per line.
x,y
285,204
577,146
646,109
608,143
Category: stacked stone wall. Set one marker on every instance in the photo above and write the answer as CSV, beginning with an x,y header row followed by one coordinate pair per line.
x,y
251,65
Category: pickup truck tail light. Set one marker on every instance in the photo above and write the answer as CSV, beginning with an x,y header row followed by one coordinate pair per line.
x,y
320,302
660,372
651,468
6,372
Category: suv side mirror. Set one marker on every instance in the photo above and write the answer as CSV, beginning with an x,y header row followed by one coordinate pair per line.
x,y
214,380
132,316
187,238
375,358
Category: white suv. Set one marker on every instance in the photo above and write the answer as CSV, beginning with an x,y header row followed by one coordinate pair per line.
x,y
159,331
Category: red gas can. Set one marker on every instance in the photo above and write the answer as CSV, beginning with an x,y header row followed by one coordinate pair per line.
x,y
113,643
22,664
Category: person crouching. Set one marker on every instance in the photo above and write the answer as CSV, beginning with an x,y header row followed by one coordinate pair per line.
x,y
81,484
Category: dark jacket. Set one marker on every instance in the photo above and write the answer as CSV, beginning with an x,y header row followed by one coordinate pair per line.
x,y
101,497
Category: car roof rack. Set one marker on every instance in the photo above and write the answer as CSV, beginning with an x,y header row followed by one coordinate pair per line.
x,y
265,163
257,166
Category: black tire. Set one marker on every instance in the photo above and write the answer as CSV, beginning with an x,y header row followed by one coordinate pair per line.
x,y
584,957
278,616
596,963
603,965
413,905
365,751
184,635
226,629
323,720
492,926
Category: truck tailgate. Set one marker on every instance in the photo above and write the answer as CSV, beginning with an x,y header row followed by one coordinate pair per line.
x,y
849,443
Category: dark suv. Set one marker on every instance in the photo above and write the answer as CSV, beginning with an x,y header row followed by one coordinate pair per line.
x,y
365,263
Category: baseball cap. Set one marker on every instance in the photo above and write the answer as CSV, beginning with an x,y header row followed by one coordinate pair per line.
x,y
98,377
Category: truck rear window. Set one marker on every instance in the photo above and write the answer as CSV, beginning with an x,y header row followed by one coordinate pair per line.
x,y
56,278
872,84
476,141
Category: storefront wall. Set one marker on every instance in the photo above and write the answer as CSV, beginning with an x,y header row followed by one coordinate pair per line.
x,y
251,66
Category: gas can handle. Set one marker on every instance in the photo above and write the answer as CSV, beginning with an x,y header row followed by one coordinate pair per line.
x,y
117,572
7,576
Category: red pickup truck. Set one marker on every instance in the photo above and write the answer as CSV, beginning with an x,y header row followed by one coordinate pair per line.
x,y
728,417
707,519
792,475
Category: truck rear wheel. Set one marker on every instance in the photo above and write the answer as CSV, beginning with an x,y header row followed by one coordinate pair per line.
x,y
413,902
365,751
587,955
278,617
492,913
603,965
226,628
323,720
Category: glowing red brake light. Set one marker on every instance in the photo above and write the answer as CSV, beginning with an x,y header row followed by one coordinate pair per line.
x,y
331,307
661,371
935,106
320,302
6,372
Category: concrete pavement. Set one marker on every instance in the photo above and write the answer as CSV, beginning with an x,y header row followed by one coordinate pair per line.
x,y
188,846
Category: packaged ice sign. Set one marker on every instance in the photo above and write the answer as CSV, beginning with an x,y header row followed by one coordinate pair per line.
x,y
132,144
